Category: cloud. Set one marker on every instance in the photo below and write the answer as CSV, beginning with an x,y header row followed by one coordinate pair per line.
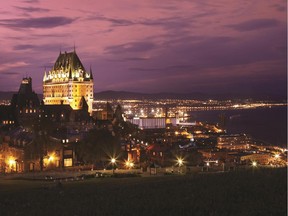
x,y
60,35
114,21
31,1
33,9
254,24
174,22
185,78
23,47
7,66
172,69
130,47
281,8
42,22
136,59
9,73
40,48
129,59
145,69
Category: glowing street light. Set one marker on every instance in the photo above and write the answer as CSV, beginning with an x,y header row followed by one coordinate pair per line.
x,y
51,158
113,161
180,163
129,164
12,162
254,165
276,156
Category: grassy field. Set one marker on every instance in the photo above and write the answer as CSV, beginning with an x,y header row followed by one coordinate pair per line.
x,y
263,192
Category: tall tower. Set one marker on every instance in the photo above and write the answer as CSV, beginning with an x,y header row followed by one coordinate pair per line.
x,y
67,82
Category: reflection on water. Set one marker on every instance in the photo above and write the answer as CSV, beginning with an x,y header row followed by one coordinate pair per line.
x,y
267,124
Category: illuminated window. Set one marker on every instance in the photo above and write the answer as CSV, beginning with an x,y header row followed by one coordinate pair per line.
x,y
68,162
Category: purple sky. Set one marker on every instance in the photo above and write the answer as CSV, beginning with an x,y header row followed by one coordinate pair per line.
x,y
181,46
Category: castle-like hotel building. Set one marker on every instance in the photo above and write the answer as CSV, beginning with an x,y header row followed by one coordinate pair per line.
x,y
67,82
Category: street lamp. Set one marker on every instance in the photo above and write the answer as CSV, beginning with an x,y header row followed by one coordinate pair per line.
x,y
276,159
129,164
113,161
254,165
180,162
51,158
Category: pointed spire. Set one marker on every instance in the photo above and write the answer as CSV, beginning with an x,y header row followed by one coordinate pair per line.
x,y
91,74
45,75
74,48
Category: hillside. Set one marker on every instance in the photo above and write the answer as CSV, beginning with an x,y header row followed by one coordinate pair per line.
x,y
125,95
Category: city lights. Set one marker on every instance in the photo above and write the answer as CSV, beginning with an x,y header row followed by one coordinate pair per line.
x,y
129,164
51,158
254,164
12,162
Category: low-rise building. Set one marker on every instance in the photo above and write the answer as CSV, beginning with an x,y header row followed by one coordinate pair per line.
x,y
152,123
235,141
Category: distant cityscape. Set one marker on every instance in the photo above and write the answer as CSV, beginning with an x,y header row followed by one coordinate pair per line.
x,y
70,130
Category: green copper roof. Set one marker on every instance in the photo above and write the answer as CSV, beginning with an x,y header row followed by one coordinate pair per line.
x,y
66,61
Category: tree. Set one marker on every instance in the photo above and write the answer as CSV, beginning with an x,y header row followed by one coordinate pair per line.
x,y
119,114
42,127
36,149
97,146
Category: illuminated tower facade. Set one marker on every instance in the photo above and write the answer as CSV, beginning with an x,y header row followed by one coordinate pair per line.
x,y
67,82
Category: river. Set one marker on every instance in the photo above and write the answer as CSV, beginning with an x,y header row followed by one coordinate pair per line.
x,y
266,124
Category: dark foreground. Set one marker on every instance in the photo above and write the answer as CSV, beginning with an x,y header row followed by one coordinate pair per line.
x,y
263,192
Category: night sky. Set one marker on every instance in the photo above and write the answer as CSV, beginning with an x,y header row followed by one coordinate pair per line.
x,y
182,46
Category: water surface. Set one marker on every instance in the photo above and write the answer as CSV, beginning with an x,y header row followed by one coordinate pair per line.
x,y
266,124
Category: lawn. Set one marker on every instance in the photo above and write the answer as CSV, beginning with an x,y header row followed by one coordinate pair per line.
x,y
263,192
